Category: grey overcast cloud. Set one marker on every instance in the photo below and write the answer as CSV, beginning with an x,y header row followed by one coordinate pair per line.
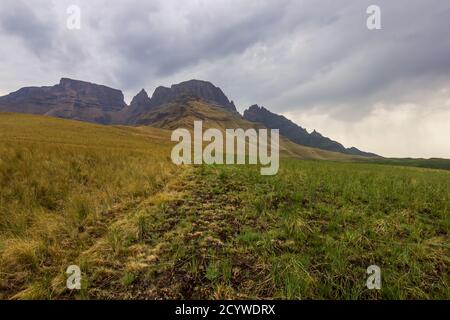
x,y
386,91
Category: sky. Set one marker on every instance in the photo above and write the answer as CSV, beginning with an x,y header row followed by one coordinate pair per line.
x,y
385,91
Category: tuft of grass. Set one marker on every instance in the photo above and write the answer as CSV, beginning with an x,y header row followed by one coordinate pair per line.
x,y
127,279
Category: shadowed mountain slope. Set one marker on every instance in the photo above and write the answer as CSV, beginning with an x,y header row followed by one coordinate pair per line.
x,y
72,99
298,134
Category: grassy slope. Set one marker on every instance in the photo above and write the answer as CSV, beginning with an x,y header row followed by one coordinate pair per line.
x,y
108,199
62,183
311,231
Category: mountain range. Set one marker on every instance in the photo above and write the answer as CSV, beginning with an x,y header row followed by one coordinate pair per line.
x,y
167,108
298,134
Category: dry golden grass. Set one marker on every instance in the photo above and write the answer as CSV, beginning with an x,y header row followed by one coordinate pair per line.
x,y
62,184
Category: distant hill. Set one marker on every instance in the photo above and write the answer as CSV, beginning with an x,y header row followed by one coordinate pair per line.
x,y
298,134
168,108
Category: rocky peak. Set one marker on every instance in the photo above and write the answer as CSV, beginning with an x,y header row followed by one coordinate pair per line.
x,y
161,96
141,97
202,89
70,83
139,104
271,120
254,108
255,112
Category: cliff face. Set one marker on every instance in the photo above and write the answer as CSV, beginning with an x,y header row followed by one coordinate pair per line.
x,y
89,94
71,99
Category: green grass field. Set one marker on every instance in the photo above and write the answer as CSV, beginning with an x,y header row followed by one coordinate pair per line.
x,y
434,163
109,200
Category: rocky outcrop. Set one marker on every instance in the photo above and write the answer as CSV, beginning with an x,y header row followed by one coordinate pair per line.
x,y
92,95
140,103
72,99
203,89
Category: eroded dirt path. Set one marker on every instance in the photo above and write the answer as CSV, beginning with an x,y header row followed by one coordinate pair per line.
x,y
181,244
203,258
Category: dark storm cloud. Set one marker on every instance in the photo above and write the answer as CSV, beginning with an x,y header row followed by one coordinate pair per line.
x,y
43,35
321,54
18,19
195,36
359,66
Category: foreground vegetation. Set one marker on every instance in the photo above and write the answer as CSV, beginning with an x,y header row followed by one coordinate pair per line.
x,y
61,184
308,233
108,199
